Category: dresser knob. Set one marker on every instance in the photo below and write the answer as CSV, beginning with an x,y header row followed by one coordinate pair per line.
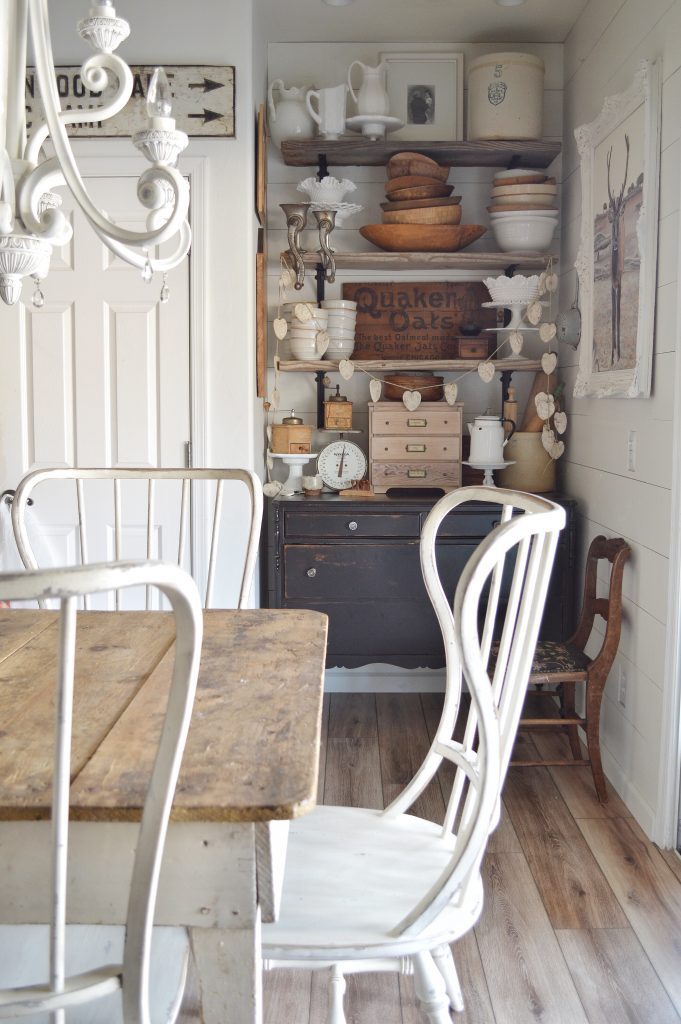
x,y
311,573
352,525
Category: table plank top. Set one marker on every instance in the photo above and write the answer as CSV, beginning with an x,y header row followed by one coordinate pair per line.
x,y
253,745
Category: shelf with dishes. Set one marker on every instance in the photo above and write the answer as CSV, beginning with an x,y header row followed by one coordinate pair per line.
x,y
362,152
391,365
472,261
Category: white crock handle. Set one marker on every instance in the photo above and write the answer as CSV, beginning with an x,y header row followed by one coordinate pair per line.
x,y
352,91
270,97
308,103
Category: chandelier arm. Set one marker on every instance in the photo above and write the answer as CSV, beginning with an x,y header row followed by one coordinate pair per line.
x,y
105,226
141,259
100,64
7,211
51,225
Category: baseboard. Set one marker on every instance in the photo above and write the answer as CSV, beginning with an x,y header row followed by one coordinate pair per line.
x,y
628,792
384,679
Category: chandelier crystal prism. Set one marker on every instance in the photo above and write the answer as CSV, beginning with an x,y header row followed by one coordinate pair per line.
x,y
31,223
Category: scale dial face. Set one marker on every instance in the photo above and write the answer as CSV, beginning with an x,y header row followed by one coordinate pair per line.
x,y
340,463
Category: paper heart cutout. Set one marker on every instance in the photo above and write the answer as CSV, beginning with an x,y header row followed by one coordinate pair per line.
x,y
545,405
285,278
269,434
515,340
557,449
274,400
549,362
346,369
533,313
541,284
451,392
548,439
272,489
280,327
412,400
302,312
269,461
486,371
375,390
547,332
552,282
560,422
322,342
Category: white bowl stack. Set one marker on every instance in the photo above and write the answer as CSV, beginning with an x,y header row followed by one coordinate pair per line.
x,y
302,334
523,213
342,316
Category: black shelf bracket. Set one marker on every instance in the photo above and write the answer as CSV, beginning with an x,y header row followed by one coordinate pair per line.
x,y
320,377
322,166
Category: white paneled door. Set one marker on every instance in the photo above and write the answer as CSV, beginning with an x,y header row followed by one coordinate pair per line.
x,y
98,376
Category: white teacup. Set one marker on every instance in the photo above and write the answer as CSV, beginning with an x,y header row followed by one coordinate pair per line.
x,y
331,113
312,485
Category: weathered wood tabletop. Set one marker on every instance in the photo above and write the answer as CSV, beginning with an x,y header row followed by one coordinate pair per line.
x,y
253,745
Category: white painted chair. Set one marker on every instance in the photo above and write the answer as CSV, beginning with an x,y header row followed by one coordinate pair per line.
x,y
130,977
369,890
25,493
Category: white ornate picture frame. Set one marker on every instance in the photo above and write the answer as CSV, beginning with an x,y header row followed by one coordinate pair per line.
x,y
616,264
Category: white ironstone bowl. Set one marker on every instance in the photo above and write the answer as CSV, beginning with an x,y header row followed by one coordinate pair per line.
x,y
328,190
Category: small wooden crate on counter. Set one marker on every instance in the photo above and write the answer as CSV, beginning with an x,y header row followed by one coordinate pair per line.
x,y
415,449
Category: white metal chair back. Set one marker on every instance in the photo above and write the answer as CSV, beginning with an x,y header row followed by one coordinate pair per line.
x,y
185,477
502,591
132,976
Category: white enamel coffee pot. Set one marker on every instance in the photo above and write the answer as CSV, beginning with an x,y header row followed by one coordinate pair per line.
x,y
372,96
487,439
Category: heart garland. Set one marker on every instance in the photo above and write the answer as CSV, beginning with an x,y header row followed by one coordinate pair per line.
x,y
533,313
560,422
280,327
302,312
275,399
515,340
375,390
552,282
547,332
549,362
272,489
451,392
346,369
545,405
486,371
322,342
412,400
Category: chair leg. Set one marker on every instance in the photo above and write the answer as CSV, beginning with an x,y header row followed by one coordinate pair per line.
x,y
444,961
431,993
567,707
594,696
337,986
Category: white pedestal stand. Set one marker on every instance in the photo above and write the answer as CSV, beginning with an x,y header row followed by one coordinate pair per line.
x,y
489,467
516,324
294,482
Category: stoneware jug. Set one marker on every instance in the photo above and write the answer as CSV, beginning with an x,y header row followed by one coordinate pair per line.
x,y
372,96
290,118
487,440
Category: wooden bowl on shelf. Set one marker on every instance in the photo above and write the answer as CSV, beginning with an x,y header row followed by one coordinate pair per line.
x,y
425,215
419,204
427,384
435,190
422,237
415,163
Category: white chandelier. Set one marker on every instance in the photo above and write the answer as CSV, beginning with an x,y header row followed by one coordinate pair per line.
x,y
31,223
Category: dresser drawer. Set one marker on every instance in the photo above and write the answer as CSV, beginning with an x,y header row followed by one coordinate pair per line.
x,y
351,524
429,418
410,449
423,474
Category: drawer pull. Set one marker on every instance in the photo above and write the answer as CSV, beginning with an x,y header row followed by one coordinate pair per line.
x,y
417,423
416,448
416,473
311,573
352,525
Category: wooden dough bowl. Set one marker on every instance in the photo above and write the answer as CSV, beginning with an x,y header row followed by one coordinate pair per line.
x,y
422,237
415,163
435,191
425,215
418,204
427,384
410,181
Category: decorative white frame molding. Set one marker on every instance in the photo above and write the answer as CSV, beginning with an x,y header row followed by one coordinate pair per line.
x,y
448,64
645,89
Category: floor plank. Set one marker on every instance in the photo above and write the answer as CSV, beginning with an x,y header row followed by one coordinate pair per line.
x,y
322,749
614,977
576,784
648,891
286,997
673,861
353,766
403,743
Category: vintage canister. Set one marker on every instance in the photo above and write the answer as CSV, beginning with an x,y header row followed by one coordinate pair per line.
x,y
505,96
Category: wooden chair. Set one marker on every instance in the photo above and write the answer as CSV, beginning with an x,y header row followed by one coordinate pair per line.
x,y
113,519
369,890
130,977
566,664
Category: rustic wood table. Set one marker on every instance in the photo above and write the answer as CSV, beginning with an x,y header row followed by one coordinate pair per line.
x,y
250,764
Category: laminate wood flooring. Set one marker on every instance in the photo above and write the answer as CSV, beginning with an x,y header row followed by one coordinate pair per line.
x,y
582,918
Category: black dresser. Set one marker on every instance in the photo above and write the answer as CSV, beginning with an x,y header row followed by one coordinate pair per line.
x,y
358,561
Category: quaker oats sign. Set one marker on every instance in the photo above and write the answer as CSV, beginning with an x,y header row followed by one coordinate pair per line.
x,y
416,320
203,100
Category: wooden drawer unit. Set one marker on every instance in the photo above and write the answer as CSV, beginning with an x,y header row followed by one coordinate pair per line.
x,y
414,449
358,561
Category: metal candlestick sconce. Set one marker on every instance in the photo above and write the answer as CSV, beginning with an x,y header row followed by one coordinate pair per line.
x,y
326,220
296,221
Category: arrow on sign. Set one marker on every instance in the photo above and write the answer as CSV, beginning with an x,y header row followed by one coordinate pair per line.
x,y
207,115
207,85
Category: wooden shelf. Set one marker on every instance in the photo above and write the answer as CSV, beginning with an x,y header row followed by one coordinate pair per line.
x,y
387,365
473,261
360,151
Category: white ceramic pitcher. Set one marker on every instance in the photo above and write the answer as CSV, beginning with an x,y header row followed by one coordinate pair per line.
x,y
372,96
487,439
330,115
290,117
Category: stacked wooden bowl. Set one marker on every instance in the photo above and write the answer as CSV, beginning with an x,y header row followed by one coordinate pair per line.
x,y
420,213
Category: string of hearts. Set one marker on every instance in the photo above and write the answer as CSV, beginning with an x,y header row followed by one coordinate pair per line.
x,y
555,420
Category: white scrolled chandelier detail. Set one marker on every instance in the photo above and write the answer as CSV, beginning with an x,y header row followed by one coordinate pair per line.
x,y
31,223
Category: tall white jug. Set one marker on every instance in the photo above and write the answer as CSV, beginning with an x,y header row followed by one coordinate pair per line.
x,y
372,96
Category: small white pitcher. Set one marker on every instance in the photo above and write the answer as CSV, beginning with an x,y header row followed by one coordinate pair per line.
x,y
330,115
372,96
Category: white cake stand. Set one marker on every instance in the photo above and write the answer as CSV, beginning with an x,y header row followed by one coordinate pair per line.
x,y
517,323
489,467
294,482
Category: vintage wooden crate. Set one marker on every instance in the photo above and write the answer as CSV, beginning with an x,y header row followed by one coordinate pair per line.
x,y
420,319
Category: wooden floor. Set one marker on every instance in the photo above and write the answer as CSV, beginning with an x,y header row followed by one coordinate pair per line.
x,y
582,918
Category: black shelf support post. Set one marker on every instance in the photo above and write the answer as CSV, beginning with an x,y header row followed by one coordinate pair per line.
x,y
322,166
506,377
320,377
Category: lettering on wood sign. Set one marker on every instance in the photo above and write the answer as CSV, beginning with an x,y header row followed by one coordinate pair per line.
x,y
418,320
203,100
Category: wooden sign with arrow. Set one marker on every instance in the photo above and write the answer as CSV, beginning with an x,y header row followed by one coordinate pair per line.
x,y
203,100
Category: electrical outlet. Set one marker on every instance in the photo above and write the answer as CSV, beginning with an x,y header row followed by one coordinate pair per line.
x,y
622,688
631,451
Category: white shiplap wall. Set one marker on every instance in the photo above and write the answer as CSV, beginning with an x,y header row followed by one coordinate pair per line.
x,y
322,64
601,56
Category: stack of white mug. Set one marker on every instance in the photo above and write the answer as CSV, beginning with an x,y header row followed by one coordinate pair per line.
x,y
342,316
302,334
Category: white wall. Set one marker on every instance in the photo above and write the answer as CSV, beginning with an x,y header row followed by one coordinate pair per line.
x,y
601,55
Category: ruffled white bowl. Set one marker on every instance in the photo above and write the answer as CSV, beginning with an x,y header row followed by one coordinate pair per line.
x,y
328,190
513,289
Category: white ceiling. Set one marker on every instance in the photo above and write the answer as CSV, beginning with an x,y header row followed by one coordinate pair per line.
x,y
418,21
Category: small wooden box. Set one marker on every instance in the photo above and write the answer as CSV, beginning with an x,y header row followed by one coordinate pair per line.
x,y
338,415
291,438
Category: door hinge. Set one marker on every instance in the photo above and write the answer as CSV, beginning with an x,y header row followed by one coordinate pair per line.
x,y
188,459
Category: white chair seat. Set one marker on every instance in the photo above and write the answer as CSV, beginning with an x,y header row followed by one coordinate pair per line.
x,y
351,876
